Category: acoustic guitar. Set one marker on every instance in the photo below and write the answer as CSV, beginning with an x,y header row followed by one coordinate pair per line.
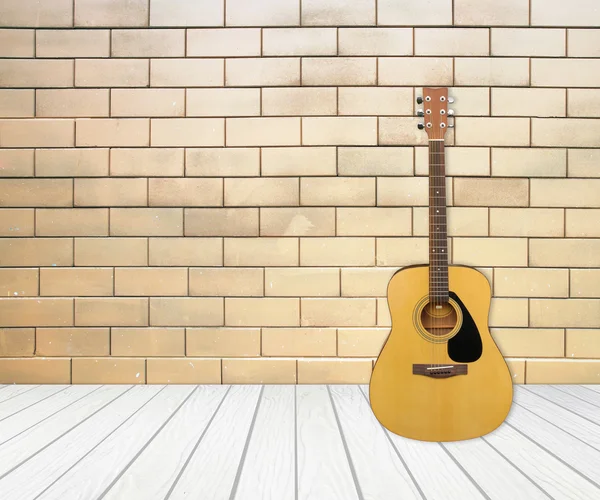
x,y
440,375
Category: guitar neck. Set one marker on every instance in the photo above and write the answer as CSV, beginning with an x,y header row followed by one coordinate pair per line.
x,y
438,238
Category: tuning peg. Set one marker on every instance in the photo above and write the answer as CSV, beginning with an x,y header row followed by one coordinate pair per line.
x,y
419,100
420,112
451,125
450,112
421,126
450,100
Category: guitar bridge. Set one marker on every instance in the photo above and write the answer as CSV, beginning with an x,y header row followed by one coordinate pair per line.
x,y
439,371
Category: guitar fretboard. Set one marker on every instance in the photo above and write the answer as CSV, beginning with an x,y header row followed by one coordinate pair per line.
x,y
438,238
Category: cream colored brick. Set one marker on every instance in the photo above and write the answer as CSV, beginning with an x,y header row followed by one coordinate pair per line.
x,y
582,223
508,312
527,42
375,161
366,281
528,102
111,251
375,42
219,162
19,282
185,192
72,102
375,101
583,102
470,101
36,73
262,13
20,252
430,71
503,71
36,133
72,222
583,343
384,317
17,222
261,192
529,162
337,12
565,192
259,371
585,283
299,41
403,251
401,131
25,311
517,370
186,72
110,192
72,342
76,281
263,131
223,102
530,342
339,71
186,251
583,42
111,13
235,282
148,43
109,371
147,342
556,13
261,251
112,132
339,131
459,161
565,312
517,282
32,13
531,222
541,371
584,162
72,43
490,251
17,103
337,191
564,252
251,72
298,342
548,72
452,42
300,161
566,132
184,13
374,221
16,342
334,371
183,371
407,191
36,193
16,43
220,342
111,312
361,342
461,221
221,222
151,281
316,221
262,311
111,72
299,101
489,12
146,162
35,371
406,12
492,131
147,102
17,162
78,162
338,312
186,311
228,42
302,282
188,132
337,251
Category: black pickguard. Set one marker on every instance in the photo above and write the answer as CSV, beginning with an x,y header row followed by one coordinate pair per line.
x,y
465,346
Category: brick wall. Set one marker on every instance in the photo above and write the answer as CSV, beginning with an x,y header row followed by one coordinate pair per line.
x,y
209,191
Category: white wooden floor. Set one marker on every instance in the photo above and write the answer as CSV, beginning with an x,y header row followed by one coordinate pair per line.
x,y
283,443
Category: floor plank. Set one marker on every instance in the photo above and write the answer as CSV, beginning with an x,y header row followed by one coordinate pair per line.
x,y
559,480
24,445
151,475
89,477
14,390
592,387
269,468
27,399
212,468
582,408
379,469
32,477
582,393
323,468
564,419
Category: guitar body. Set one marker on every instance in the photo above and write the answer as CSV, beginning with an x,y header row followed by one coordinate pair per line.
x,y
463,387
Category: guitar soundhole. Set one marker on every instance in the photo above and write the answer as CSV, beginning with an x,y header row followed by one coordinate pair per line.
x,y
438,319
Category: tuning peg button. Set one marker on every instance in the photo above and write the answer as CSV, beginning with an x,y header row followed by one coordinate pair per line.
x,y
450,100
421,126
450,112
419,100
420,112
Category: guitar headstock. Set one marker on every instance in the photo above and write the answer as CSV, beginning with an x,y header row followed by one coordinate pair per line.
x,y
435,112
